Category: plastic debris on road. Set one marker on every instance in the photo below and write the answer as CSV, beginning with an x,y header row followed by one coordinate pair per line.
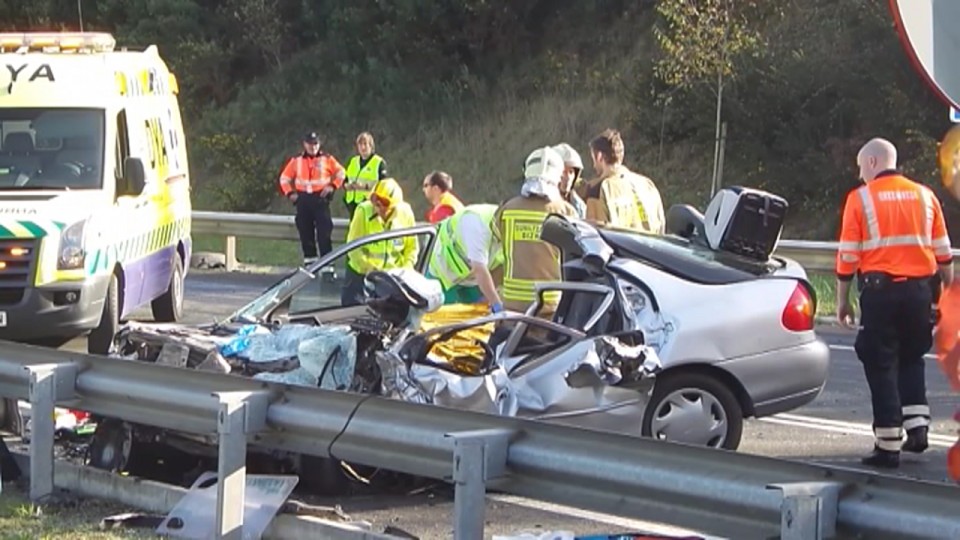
x,y
194,516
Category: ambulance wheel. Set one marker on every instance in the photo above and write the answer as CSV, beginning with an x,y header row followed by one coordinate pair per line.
x,y
169,307
101,338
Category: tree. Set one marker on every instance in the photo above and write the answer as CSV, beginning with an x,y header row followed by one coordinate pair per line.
x,y
699,45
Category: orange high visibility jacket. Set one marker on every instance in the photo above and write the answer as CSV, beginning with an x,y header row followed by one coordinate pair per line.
x,y
893,225
310,174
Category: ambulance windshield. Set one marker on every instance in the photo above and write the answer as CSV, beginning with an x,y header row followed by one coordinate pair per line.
x,y
55,148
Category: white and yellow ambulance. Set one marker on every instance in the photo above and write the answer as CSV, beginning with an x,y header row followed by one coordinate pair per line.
x,y
94,187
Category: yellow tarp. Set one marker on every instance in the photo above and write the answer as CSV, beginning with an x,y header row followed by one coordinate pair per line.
x,y
460,350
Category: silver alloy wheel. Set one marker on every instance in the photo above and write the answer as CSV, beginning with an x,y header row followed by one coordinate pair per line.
x,y
690,415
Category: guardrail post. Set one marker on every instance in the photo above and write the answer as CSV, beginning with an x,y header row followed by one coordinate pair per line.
x,y
48,383
809,510
478,456
230,253
241,413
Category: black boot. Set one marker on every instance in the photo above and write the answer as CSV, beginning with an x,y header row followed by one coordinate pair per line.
x,y
916,440
882,458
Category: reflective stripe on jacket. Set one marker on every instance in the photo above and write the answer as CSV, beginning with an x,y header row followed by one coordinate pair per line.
x,y
448,261
399,252
311,174
369,174
449,204
528,260
624,199
893,225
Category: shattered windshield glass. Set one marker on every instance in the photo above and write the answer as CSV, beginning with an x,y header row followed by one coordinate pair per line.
x,y
51,148
272,297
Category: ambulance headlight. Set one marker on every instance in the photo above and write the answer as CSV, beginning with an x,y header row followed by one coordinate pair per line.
x,y
71,253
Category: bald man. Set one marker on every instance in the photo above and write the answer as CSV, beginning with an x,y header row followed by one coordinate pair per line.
x,y
893,237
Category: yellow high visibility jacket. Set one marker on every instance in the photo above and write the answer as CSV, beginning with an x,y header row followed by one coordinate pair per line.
x,y
386,254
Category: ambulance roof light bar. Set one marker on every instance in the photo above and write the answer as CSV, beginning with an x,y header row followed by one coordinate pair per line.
x,y
57,42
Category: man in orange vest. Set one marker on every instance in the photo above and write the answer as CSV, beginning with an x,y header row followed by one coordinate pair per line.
x,y
894,237
309,181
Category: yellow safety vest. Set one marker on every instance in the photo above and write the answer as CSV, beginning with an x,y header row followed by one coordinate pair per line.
x,y
400,252
369,174
448,261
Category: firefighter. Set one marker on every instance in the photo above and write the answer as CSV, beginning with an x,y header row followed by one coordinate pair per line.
x,y
572,170
384,210
465,253
619,196
892,237
437,189
363,171
528,260
309,181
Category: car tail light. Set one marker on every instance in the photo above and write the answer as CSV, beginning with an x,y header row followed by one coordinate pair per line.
x,y
799,313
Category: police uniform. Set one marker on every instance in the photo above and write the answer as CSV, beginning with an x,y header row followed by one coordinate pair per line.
x,y
893,237
307,176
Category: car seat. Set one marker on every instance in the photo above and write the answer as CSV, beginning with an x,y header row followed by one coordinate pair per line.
x,y
17,152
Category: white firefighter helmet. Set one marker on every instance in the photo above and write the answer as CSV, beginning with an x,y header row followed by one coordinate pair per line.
x,y
569,155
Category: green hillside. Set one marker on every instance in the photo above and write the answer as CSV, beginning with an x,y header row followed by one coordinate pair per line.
x,y
471,87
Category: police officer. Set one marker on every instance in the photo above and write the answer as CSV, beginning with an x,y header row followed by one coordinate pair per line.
x,y
309,181
893,236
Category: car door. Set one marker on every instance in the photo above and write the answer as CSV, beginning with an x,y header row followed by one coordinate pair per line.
x,y
322,291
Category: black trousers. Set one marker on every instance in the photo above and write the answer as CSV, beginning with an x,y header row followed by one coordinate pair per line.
x,y
314,224
896,333
352,293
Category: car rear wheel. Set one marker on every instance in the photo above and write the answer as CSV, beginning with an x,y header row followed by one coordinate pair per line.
x,y
694,408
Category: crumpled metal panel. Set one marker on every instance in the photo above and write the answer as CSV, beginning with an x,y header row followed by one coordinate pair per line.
x,y
580,378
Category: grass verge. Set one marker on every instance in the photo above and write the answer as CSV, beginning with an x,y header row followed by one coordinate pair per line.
x,y
21,519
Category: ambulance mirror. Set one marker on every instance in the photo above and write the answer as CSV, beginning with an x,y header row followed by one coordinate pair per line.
x,y
134,176
930,35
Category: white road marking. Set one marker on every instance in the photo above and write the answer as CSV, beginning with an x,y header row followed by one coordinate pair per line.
x,y
851,349
630,524
850,428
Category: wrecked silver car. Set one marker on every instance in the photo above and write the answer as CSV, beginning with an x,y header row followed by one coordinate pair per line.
x,y
584,365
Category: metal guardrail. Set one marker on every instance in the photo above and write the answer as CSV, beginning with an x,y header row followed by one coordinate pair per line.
x,y
812,255
723,493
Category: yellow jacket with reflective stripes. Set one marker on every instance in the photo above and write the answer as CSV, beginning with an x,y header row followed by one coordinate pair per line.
x,y
448,260
386,254
528,260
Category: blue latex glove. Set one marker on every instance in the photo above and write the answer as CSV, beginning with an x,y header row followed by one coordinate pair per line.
x,y
496,308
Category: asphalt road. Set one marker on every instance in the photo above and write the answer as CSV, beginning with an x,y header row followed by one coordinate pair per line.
x,y
834,429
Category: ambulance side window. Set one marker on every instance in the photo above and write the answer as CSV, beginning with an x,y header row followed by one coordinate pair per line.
x,y
123,148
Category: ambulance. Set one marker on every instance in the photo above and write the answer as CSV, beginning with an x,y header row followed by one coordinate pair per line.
x,y
94,187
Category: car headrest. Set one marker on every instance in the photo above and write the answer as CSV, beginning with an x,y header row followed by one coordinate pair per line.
x,y
18,142
407,285
685,221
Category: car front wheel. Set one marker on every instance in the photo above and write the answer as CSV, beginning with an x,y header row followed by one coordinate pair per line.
x,y
694,408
